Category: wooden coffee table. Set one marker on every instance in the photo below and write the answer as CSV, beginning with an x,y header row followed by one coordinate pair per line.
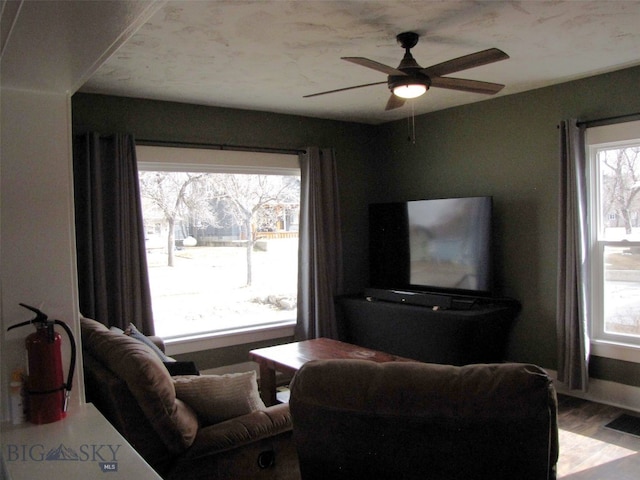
x,y
289,357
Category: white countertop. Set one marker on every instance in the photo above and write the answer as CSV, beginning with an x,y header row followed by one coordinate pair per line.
x,y
82,445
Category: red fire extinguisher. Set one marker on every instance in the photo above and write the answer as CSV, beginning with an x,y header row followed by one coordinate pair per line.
x,y
47,393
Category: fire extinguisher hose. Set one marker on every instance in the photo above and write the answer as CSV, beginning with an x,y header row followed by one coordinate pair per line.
x,y
72,361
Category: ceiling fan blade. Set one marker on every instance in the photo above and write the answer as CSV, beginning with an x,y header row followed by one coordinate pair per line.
x,y
343,89
394,102
466,85
380,67
468,61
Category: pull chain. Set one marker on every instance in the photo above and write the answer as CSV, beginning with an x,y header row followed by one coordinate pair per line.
x,y
411,125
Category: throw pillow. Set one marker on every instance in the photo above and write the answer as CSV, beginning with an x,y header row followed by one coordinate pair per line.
x,y
133,332
216,398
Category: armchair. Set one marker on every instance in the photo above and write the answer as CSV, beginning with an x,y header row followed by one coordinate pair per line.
x,y
128,382
360,419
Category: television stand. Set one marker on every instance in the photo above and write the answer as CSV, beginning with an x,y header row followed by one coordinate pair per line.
x,y
478,334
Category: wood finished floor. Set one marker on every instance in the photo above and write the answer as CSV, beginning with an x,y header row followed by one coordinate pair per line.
x,y
588,450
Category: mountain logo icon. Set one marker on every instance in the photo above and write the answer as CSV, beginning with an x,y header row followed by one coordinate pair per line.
x,y
62,453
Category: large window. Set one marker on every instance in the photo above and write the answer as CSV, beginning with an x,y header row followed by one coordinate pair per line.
x,y
614,163
222,238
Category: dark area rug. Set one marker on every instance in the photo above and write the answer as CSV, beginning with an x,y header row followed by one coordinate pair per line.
x,y
626,423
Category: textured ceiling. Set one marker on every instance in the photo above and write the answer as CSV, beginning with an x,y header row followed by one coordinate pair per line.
x,y
265,55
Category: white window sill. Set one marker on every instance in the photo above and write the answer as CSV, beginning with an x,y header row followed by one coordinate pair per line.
x,y
208,341
617,351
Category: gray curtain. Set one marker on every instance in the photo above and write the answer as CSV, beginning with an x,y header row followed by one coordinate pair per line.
x,y
113,280
572,307
320,251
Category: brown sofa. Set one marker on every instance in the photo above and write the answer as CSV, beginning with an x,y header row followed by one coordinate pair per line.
x,y
130,385
359,419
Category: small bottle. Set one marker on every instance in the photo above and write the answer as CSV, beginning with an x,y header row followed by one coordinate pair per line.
x,y
16,397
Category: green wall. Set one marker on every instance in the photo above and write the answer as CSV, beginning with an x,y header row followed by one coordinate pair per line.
x,y
508,147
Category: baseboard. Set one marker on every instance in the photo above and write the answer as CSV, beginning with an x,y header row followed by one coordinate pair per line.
x,y
603,391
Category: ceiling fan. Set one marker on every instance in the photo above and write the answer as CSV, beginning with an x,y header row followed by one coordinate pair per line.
x,y
410,80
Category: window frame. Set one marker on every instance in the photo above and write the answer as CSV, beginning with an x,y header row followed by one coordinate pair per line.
x,y
605,344
212,160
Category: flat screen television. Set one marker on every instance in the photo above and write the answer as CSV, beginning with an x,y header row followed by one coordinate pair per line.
x,y
439,245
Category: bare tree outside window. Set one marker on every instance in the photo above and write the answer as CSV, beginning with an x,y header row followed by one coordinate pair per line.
x,y
248,198
620,169
198,225
175,195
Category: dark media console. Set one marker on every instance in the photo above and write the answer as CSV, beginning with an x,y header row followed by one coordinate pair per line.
x,y
477,332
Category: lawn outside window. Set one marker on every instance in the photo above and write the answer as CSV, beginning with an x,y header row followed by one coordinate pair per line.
x,y
222,240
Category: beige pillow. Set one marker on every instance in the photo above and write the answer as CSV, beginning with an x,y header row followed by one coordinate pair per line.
x,y
216,398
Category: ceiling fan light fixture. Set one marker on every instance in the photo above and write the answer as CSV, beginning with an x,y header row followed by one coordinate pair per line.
x,y
409,80
412,90
408,86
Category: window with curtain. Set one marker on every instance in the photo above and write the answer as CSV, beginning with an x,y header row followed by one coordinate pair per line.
x,y
221,238
614,261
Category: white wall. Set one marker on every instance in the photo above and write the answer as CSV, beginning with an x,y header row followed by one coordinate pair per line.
x,y
48,50
37,252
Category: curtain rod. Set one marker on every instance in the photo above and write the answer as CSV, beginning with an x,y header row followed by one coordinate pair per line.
x,y
610,120
217,146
